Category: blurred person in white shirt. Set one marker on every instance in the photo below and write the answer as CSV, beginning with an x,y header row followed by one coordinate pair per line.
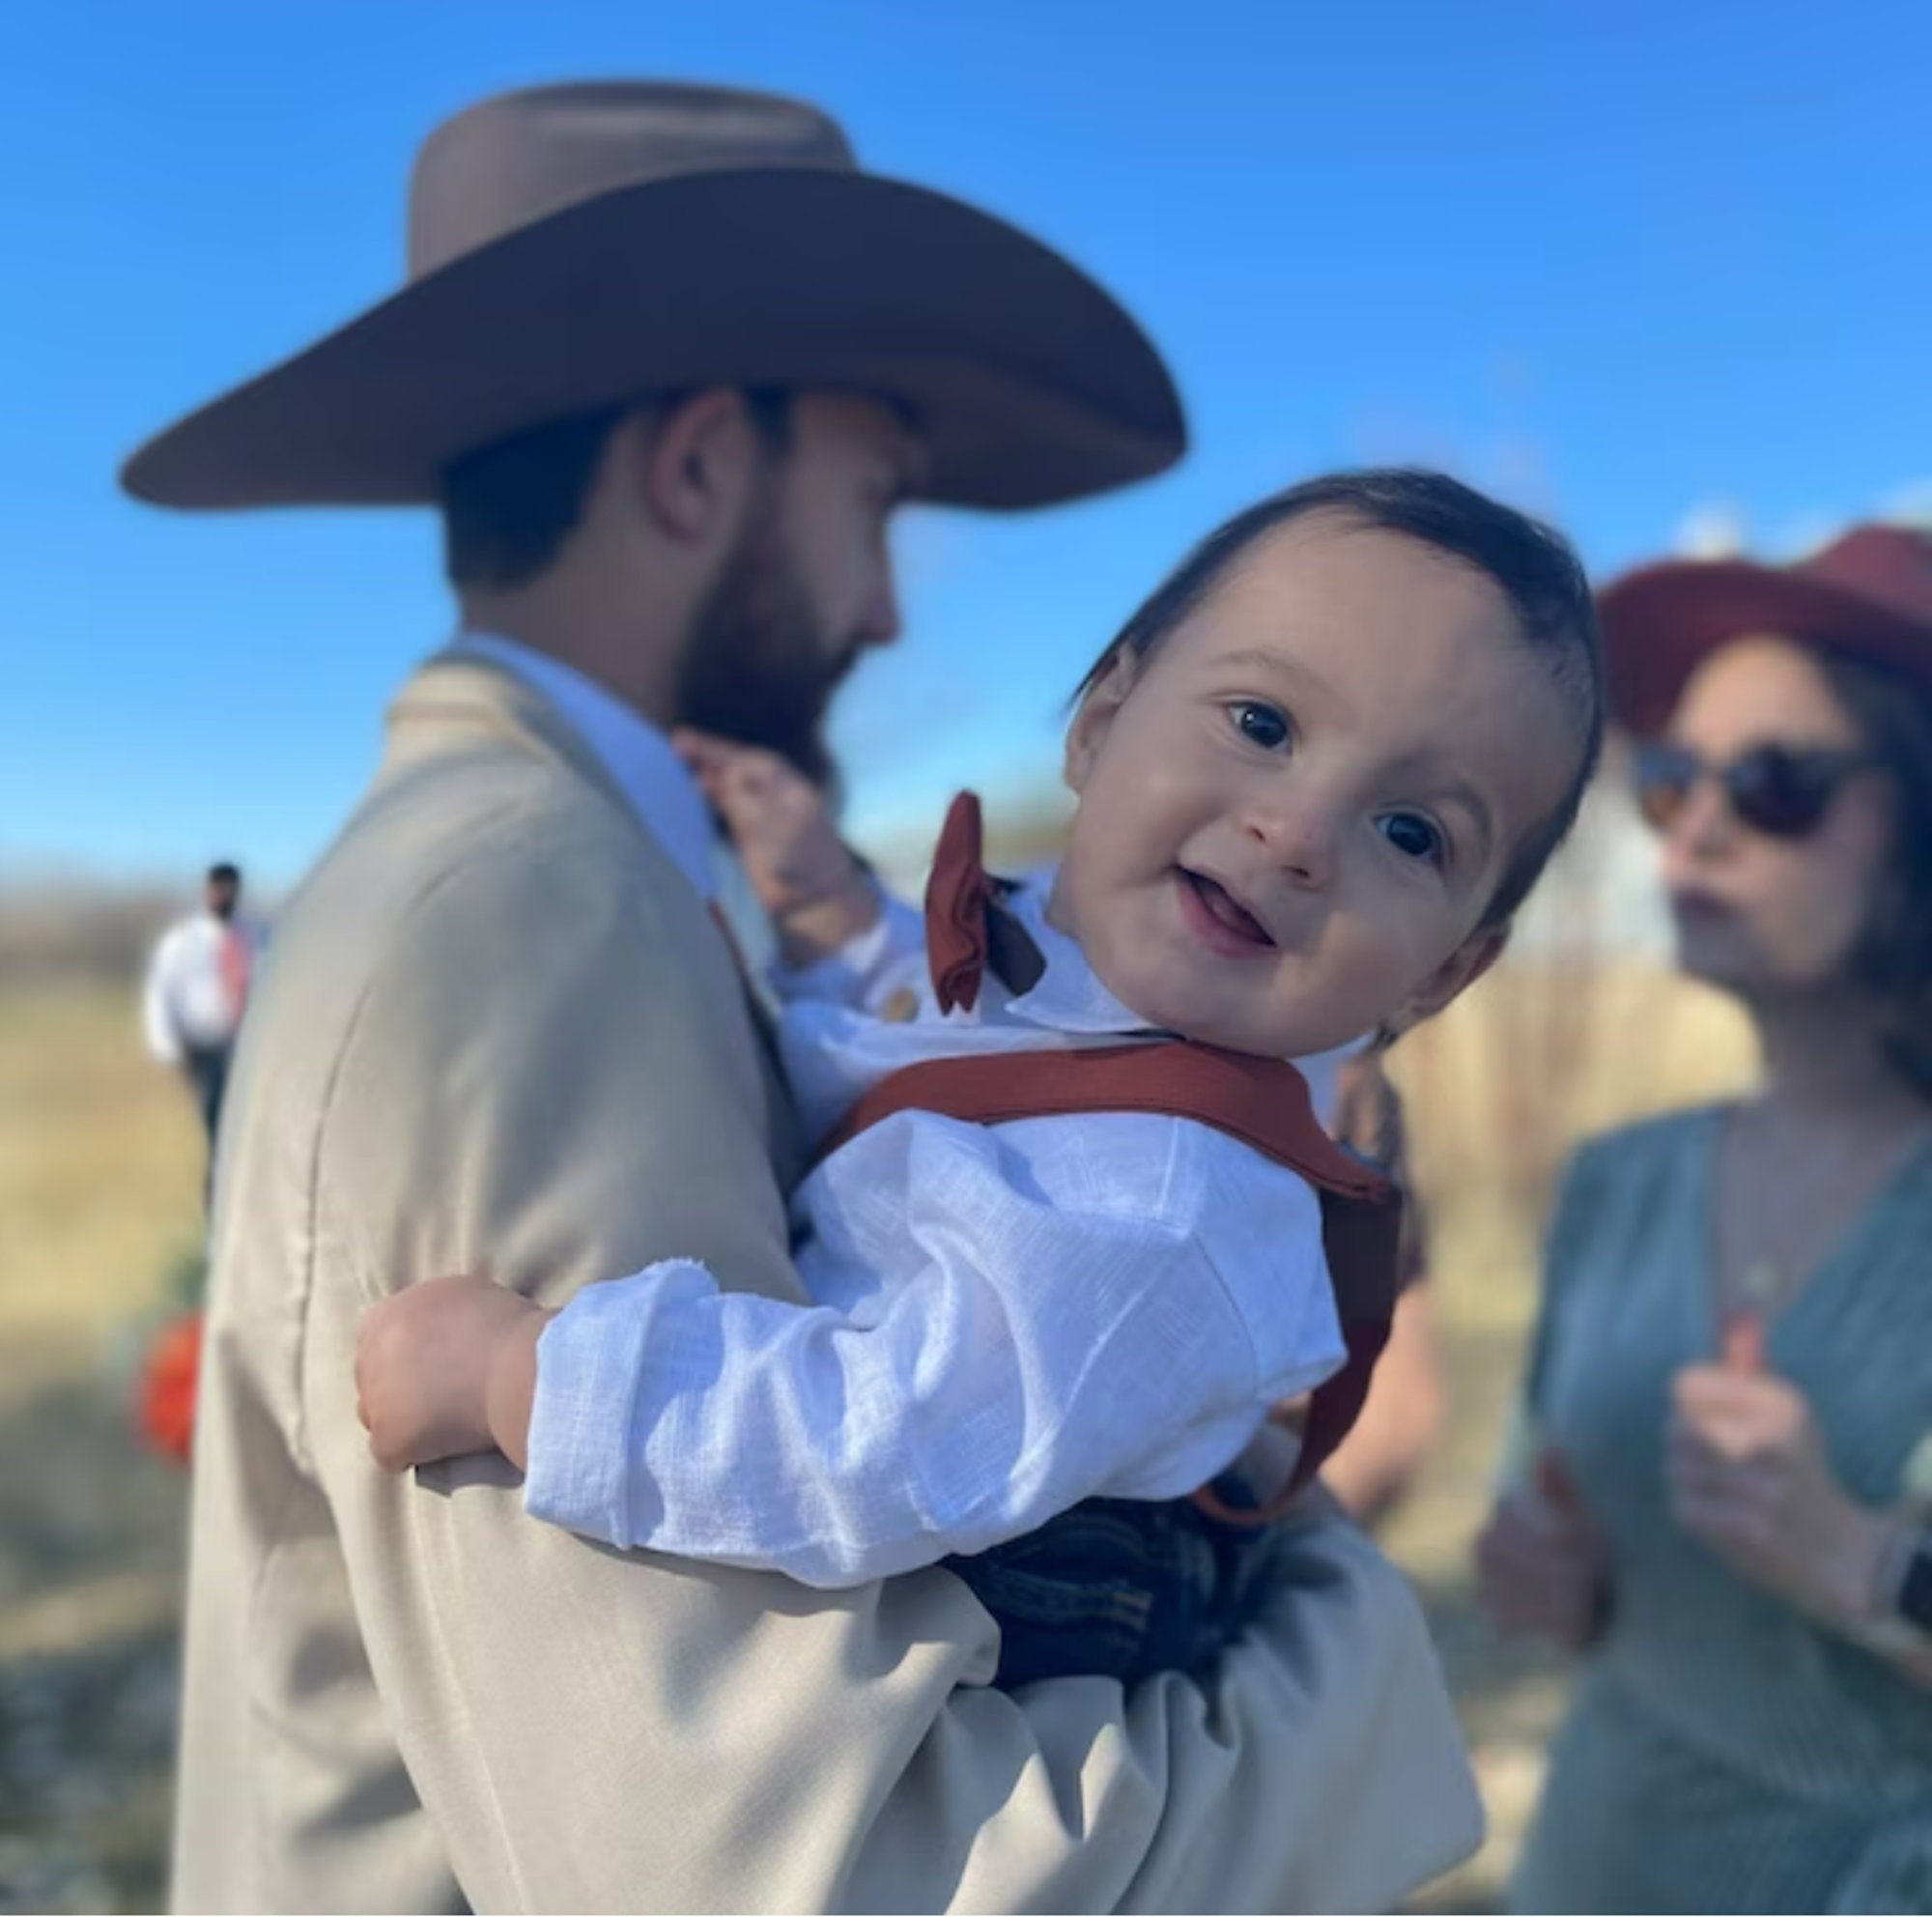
x,y
197,987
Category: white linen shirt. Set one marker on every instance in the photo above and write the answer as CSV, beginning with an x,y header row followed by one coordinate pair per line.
x,y
1004,1320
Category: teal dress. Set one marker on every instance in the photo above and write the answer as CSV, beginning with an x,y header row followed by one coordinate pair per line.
x,y
1720,1751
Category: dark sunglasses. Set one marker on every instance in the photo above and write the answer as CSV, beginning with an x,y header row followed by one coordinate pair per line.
x,y
1783,791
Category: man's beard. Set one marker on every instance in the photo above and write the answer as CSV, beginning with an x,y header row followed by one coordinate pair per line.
x,y
757,669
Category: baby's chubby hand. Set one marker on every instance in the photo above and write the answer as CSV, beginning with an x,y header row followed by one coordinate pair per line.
x,y
444,1367
816,893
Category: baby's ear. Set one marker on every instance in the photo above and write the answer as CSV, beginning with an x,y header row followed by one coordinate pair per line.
x,y
1099,705
1453,977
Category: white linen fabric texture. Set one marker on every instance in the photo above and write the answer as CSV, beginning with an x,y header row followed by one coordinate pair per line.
x,y
1004,1319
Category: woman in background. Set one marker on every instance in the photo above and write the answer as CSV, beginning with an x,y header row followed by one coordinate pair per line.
x,y
1731,1385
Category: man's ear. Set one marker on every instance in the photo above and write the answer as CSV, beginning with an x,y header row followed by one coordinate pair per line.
x,y
1456,974
1098,708
696,462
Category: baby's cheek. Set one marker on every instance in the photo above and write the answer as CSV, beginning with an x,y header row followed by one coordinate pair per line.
x,y
1366,976
1114,934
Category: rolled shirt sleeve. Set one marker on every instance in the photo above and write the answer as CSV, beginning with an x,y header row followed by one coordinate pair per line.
x,y
1008,1321
866,971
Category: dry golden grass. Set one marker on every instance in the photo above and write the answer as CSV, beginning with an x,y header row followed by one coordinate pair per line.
x,y
99,1194
99,1167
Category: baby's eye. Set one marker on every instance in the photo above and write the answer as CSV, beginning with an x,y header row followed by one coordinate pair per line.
x,y
1260,724
1412,836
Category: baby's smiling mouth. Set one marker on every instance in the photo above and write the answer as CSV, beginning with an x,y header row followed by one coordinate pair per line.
x,y
1218,919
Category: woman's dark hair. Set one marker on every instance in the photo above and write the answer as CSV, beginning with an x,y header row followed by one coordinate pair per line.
x,y
508,507
1531,565
1893,713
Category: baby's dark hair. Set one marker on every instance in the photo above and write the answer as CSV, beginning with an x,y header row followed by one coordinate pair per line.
x,y
1534,567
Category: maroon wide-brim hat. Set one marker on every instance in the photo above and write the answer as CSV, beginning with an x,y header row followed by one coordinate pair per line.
x,y
1868,593
573,247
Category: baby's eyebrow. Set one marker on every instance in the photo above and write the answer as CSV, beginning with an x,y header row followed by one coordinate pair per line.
x,y
1273,662
1470,797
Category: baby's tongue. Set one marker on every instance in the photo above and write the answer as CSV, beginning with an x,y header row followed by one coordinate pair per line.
x,y
1234,917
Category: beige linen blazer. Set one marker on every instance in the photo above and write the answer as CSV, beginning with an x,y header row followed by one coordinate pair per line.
x,y
499,1030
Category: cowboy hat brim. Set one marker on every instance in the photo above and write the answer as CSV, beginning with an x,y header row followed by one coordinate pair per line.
x,y
1659,621
1028,382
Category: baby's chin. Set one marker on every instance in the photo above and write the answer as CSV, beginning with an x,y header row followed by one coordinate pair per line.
x,y
1284,1034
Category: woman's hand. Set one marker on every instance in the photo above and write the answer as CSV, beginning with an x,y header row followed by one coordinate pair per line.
x,y
1747,1477
815,890
1541,1568
448,1366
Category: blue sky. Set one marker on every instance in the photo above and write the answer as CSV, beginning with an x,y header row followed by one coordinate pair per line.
x,y
1637,266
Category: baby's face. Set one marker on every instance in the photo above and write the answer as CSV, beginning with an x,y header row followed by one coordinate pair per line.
x,y
1293,816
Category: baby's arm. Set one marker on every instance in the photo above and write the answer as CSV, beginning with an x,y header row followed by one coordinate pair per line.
x,y
842,937
1035,1359
815,892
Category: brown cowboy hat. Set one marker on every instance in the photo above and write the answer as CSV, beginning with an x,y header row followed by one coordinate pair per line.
x,y
574,246
1868,593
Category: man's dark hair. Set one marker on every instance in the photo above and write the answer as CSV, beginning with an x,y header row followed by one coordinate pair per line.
x,y
1531,565
224,874
508,507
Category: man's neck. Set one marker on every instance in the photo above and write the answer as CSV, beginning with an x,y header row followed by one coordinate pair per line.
x,y
633,665
637,757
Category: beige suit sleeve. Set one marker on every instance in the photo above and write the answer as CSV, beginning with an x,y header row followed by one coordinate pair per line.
x,y
535,1083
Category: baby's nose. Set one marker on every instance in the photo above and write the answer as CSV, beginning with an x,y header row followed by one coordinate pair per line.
x,y
1298,839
